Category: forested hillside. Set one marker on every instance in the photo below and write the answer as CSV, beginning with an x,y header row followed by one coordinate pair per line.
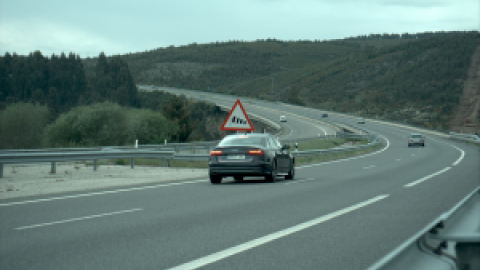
x,y
50,102
413,78
60,82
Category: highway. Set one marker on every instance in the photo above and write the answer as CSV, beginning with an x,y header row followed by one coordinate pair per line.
x,y
342,214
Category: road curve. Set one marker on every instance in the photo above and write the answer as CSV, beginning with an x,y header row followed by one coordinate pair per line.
x,y
343,214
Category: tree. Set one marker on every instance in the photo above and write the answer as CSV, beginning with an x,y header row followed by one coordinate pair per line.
x,y
176,112
53,99
22,125
38,96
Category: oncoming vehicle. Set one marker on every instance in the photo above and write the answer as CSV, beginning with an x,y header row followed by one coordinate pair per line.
x,y
361,121
416,139
254,154
324,115
283,118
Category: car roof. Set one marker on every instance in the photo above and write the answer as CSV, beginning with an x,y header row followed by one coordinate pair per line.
x,y
415,134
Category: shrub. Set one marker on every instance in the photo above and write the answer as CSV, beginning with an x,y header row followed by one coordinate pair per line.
x,y
22,125
108,124
149,127
98,124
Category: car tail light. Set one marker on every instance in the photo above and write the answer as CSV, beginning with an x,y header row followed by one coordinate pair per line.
x,y
215,153
410,139
256,152
421,139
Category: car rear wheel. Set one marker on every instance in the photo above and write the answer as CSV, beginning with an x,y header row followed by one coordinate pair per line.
x,y
238,178
291,173
273,175
215,179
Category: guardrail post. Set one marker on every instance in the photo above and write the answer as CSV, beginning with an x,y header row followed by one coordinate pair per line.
x,y
1,170
163,162
95,165
53,167
132,163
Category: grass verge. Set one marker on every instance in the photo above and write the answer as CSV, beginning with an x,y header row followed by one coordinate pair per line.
x,y
335,156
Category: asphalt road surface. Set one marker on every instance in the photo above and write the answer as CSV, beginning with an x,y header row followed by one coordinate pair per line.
x,y
343,214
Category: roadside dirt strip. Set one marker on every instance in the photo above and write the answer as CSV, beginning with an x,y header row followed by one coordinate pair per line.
x,y
31,180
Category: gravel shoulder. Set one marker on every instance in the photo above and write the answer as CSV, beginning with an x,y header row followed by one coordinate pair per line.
x,y
30,180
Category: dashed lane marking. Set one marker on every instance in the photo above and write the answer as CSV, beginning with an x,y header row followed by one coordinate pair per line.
x,y
102,193
426,177
300,181
200,262
78,219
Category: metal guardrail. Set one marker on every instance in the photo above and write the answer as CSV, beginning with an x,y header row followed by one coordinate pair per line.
x,y
451,241
75,154
53,157
465,137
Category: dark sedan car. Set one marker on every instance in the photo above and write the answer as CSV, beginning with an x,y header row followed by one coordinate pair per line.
x,y
254,154
324,115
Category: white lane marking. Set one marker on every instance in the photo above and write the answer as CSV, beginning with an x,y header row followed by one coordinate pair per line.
x,y
369,167
270,237
462,155
342,160
101,193
398,159
426,177
77,219
413,155
291,131
300,181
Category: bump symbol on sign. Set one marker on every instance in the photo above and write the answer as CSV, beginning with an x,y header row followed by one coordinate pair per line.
x,y
237,119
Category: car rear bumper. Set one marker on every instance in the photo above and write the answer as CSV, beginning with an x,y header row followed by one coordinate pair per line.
x,y
416,143
259,169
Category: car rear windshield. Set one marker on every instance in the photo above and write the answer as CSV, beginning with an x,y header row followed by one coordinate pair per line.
x,y
242,141
416,136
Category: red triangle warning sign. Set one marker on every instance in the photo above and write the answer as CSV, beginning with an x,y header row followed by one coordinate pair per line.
x,y
237,119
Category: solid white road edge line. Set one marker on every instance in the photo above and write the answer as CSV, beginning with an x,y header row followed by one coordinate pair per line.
x,y
77,219
346,159
462,153
101,193
270,237
369,167
300,181
426,177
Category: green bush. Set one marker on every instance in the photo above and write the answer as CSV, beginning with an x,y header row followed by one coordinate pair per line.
x,y
22,125
149,127
108,124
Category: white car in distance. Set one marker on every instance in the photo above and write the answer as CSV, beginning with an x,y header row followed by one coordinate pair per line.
x,y
283,118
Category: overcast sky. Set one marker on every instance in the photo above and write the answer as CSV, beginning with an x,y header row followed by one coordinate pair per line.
x,y
88,27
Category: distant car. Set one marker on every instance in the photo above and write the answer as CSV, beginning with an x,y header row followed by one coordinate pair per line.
x,y
416,139
324,115
283,118
254,154
361,121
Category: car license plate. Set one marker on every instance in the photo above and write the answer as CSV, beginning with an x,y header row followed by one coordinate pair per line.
x,y
236,157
